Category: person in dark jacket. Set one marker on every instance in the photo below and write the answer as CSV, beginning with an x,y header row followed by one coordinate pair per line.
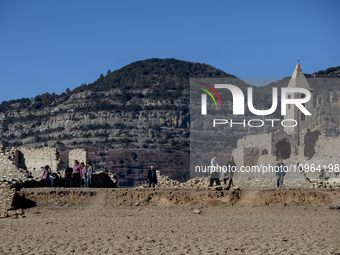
x,y
67,176
152,177
280,173
231,168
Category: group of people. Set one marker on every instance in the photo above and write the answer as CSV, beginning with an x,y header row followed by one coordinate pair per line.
x,y
80,175
231,167
228,175
46,173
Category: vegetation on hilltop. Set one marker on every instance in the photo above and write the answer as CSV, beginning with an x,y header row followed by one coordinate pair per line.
x,y
332,72
166,78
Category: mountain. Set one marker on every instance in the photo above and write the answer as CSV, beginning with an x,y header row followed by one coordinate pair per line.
x,y
129,119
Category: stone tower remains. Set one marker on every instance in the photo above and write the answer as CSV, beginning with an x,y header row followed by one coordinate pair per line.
x,y
299,80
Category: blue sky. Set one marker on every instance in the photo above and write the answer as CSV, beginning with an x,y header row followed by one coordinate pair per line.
x,y
48,46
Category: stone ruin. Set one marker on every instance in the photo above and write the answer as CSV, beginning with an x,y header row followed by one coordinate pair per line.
x,y
8,168
14,167
77,154
31,159
203,183
2,149
7,195
314,149
268,148
300,144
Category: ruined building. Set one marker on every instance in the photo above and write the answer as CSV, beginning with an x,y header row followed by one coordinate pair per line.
x,y
291,143
16,163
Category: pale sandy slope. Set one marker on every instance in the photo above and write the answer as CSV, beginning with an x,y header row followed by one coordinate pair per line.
x,y
173,230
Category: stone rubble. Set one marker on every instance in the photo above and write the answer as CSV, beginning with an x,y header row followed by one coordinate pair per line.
x,y
105,180
197,211
251,182
323,183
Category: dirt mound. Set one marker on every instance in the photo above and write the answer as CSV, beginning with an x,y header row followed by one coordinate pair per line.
x,y
173,197
45,197
284,197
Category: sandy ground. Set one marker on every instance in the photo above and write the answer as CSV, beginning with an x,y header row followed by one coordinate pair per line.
x,y
173,230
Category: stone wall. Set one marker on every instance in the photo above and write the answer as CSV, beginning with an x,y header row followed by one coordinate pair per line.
x,y
2,148
9,171
308,141
327,146
249,148
264,148
7,194
77,154
35,158
14,155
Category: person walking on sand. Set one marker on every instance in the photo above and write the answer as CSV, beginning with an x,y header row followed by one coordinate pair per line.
x,y
152,177
231,168
215,176
76,174
280,173
89,175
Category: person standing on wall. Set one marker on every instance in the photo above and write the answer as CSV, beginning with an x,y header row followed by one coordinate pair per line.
x,y
152,177
75,181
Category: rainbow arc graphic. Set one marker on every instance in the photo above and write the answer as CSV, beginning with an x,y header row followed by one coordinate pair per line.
x,y
204,98
209,93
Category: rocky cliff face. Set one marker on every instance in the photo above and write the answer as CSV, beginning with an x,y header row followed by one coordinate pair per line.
x,y
117,141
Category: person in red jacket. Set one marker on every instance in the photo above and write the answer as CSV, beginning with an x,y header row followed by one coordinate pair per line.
x,y
75,182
